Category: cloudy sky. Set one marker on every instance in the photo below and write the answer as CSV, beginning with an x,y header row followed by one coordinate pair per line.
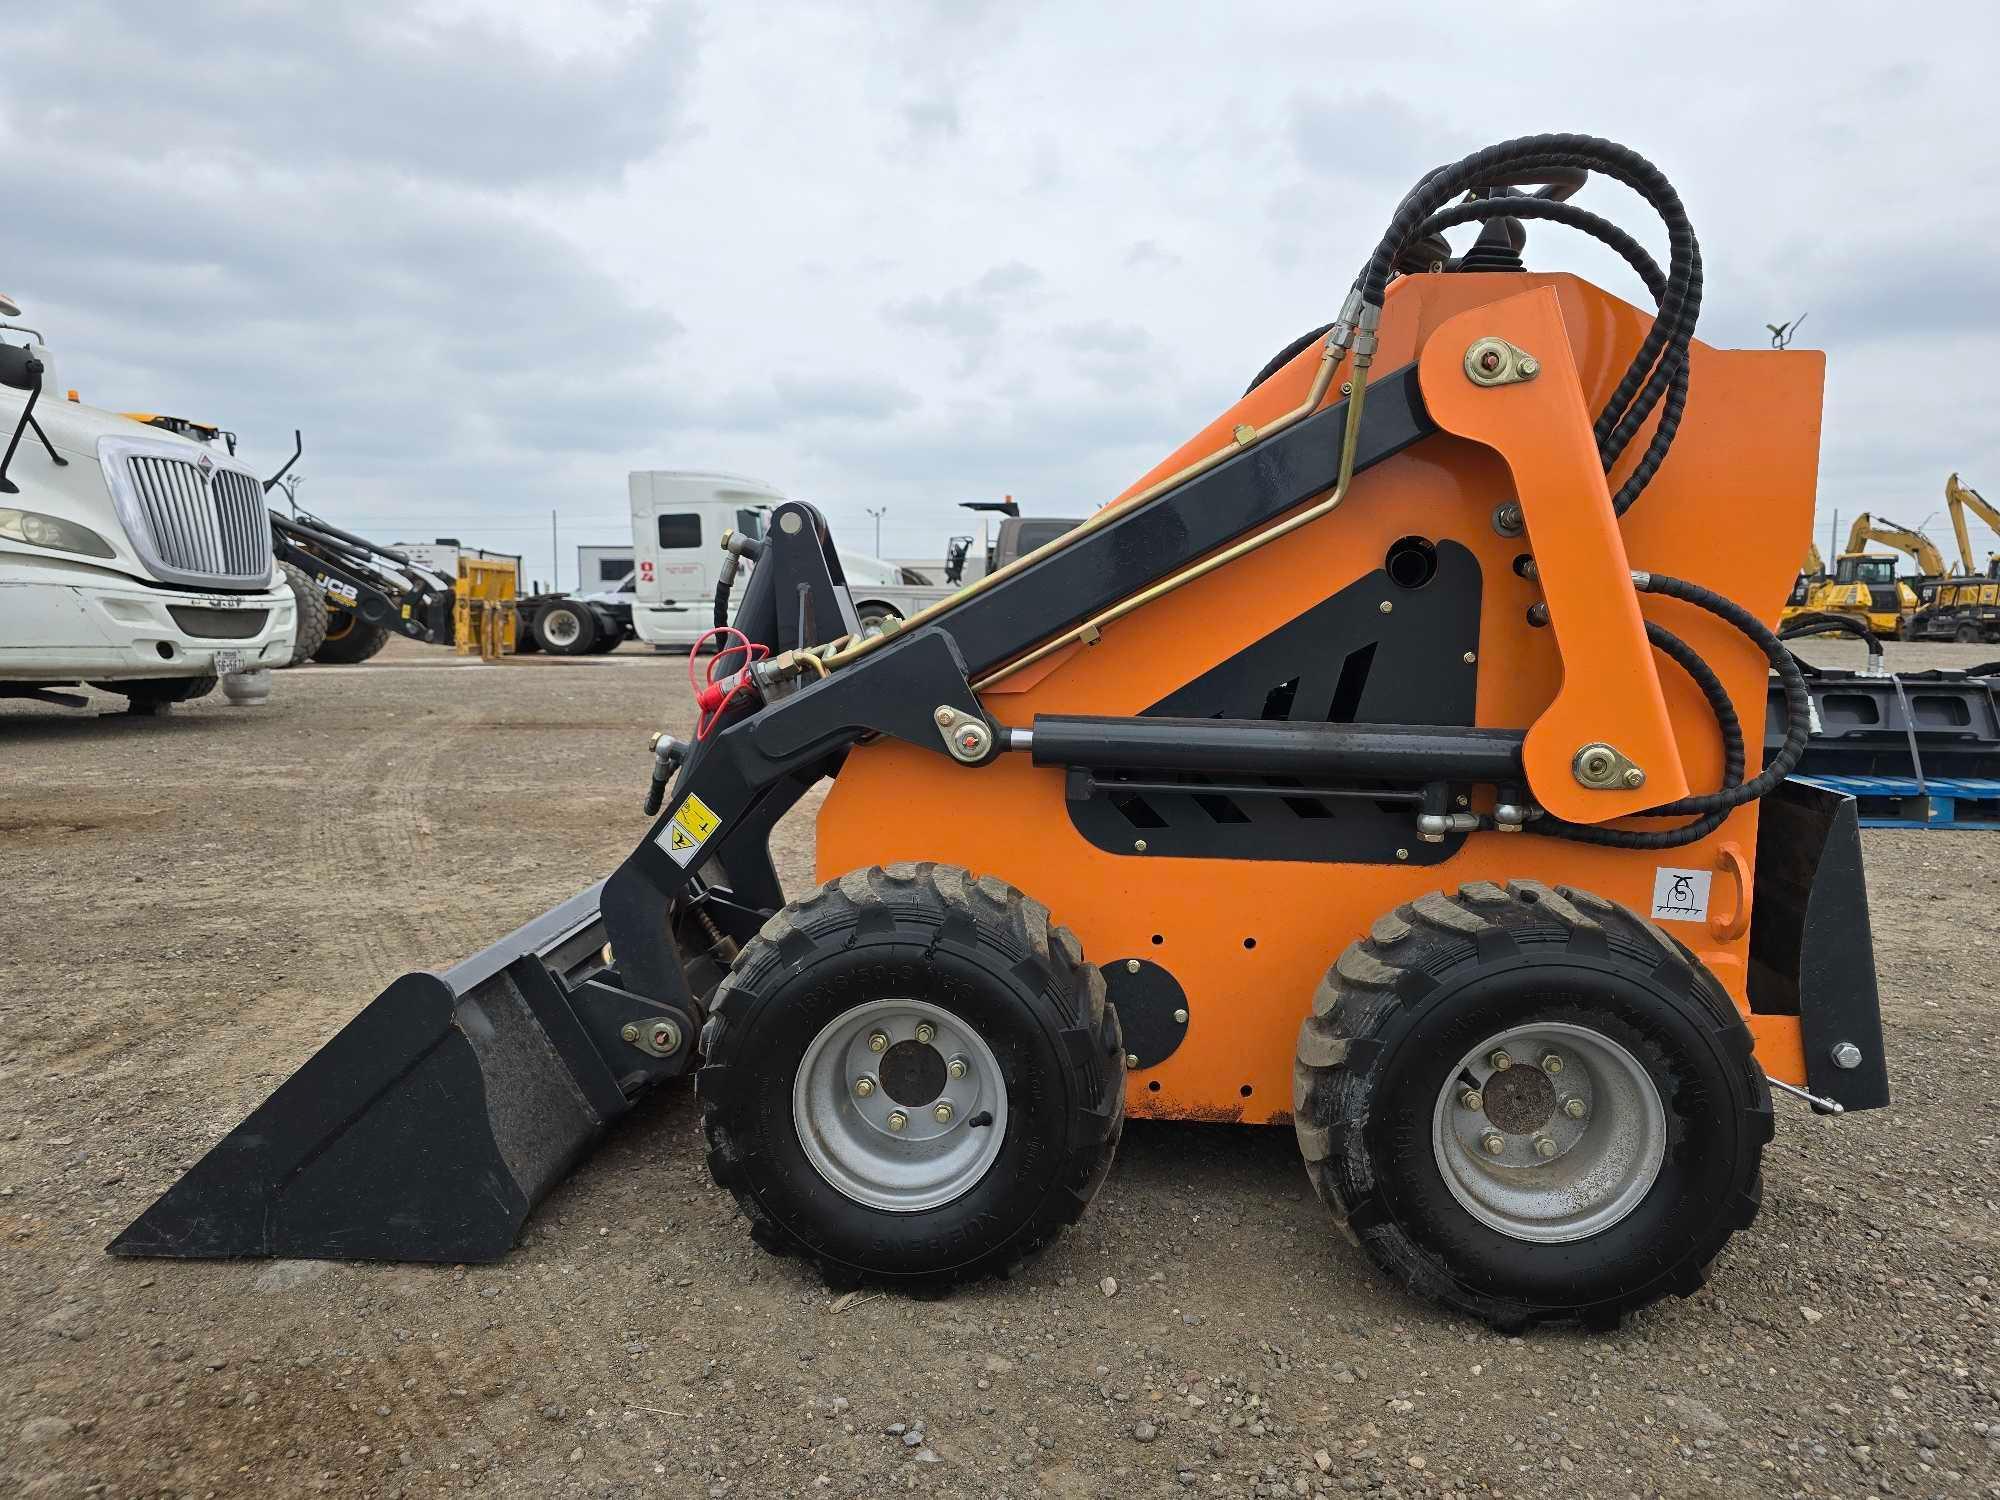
x,y
491,255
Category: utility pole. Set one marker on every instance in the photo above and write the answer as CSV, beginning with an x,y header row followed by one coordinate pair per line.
x,y
555,556
877,513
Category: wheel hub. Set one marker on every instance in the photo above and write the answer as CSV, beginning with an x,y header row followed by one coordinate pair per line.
x,y
900,1105
1549,1132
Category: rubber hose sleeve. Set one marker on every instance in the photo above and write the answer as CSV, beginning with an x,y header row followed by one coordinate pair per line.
x,y
1710,816
1798,703
721,606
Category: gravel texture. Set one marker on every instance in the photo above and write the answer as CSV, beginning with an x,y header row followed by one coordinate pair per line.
x,y
196,902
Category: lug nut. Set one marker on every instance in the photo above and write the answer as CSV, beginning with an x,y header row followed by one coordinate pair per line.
x,y
942,1114
864,1086
1492,1143
956,1068
878,1041
925,1031
1574,1108
1552,1063
897,1119
1501,1062
1472,1099
1544,1147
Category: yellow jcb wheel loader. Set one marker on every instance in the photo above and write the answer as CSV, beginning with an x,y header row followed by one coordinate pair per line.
x,y
1376,767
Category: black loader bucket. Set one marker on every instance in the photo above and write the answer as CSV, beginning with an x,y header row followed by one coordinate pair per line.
x,y
435,1121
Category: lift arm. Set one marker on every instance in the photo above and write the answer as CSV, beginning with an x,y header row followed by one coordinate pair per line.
x,y
1960,498
1930,562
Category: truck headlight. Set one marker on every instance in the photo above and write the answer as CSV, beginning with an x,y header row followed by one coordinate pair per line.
x,y
38,530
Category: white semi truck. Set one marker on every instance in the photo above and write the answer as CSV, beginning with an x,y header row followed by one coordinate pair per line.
x,y
130,559
678,518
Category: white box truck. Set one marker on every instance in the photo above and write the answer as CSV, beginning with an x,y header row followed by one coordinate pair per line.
x,y
678,517
131,559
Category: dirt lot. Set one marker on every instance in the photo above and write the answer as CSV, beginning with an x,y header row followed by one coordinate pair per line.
x,y
194,903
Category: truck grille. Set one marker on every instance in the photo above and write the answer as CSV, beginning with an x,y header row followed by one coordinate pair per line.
x,y
212,530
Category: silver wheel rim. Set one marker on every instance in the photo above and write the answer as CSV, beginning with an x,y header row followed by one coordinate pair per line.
x,y
847,1127
562,627
1563,1170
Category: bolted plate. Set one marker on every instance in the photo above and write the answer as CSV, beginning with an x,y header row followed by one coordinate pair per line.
x,y
1146,997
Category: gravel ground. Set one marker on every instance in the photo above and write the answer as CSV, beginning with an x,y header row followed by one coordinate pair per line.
x,y
197,902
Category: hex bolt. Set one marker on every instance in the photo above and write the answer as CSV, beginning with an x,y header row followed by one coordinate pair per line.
x,y
925,1031
1402,854
1634,777
944,716
630,1033
666,1036
1386,607
1493,1143
1574,1108
942,1114
1131,966
1469,658
956,1068
878,1041
1131,1059
864,1086
1544,1147
1180,1017
1551,1063
1138,846
1529,368
1472,1099
1846,1055
897,1119
1501,1062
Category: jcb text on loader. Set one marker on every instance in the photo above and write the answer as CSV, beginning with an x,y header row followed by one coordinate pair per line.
x,y
1376,766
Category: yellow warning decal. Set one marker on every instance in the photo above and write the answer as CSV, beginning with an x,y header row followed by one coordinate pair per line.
x,y
693,821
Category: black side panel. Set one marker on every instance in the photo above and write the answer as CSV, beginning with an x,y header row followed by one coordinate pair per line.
x,y
1811,954
1343,661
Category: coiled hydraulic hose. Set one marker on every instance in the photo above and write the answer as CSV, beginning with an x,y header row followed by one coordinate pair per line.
x,y
1710,808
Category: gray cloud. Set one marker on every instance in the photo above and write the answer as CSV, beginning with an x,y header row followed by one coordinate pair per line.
x,y
491,255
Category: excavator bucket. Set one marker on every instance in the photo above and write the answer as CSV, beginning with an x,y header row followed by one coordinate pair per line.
x,y
435,1121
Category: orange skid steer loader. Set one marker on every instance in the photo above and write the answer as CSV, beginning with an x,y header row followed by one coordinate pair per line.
x,y
1379,766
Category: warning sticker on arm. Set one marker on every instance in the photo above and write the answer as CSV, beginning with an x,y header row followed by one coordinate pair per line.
x,y
1680,895
687,830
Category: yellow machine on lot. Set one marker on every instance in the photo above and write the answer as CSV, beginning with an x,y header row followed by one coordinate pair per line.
x,y
1864,584
1966,605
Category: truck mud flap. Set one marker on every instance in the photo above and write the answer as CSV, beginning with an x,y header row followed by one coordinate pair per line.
x,y
1811,953
432,1124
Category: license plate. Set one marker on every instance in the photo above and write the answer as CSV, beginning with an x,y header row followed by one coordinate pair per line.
x,y
227,662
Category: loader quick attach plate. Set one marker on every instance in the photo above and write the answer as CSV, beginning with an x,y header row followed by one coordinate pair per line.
x,y
1344,661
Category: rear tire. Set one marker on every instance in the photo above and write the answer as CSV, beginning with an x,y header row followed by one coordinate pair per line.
x,y
311,612
564,628
813,1161
348,640
1641,1192
1967,634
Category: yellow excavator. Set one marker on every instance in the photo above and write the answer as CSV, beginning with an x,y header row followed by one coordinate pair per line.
x,y
1864,584
1966,605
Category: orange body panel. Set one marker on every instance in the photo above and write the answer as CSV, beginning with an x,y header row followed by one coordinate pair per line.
x,y
1743,468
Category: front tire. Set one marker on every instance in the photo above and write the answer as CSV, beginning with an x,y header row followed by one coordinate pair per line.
x,y
312,617
349,640
155,695
1465,1176
835,989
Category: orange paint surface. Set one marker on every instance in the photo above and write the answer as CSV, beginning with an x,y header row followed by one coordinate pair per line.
x,y
1731,508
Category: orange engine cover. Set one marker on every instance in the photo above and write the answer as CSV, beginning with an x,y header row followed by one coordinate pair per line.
x,y
1248,939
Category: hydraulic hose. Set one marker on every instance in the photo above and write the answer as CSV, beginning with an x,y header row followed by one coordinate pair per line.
x,y
1711,808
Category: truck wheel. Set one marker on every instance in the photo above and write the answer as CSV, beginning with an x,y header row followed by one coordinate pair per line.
x,y
348,640
1530,1105
875,616
1967,634
564,628
912,1076
155,695
311,609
